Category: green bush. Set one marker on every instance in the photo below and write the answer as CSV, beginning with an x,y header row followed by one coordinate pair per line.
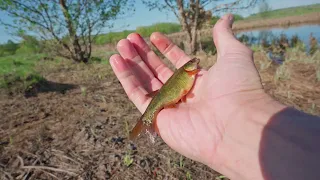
x,y
165,28
145,31
236,17
29,45
291,11
208,46
111,37
9,48
19,69
214,20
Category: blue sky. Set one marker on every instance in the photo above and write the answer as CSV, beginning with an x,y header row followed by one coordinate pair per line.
x,y
144,17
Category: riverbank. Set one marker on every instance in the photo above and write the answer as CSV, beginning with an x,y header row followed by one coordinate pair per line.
x,y
263,23
311,18
238,27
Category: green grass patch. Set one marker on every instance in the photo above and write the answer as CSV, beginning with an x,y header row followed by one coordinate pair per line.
x,y
145,31
236,17
292,11
111,37
165,28
19,69
101,56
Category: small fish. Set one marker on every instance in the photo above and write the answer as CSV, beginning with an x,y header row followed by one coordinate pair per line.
x,y
174,90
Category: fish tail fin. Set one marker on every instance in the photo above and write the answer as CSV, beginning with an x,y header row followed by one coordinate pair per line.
x,y
139,128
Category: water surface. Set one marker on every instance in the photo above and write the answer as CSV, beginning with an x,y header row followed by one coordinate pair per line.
x,y
302,31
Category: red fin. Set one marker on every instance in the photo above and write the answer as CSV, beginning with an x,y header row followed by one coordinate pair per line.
x,y
152,94
193,72
184,99
186,96
190,95
170,106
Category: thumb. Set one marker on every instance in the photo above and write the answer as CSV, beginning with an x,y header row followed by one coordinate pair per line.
x,y
223,37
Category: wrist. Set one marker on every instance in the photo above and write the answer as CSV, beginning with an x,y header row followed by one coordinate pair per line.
x,y
237,155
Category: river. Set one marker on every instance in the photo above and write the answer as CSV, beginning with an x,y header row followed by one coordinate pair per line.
x,y
302,31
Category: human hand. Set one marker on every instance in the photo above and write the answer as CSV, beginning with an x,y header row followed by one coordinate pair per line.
x,y
198,127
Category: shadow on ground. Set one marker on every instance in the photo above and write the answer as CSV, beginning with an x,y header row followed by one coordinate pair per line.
x,y
48,86
289,145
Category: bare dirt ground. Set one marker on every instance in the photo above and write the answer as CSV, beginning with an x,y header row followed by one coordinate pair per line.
x,y
81,134
78,129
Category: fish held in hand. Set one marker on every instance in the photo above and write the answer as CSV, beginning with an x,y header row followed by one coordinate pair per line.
x,y
175,89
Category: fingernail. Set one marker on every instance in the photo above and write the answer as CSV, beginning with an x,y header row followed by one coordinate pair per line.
x,y
118,64
133,35
126,49
231,19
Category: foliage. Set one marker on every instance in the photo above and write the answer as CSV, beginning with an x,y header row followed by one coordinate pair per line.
x,y
83,91
127,160
188,175
29,44
236,17
19,69
181,163
214,20
70,26
112,37
264,8
194,15
292,11
165,28
208,46
9,48
221,177
145,31
313,44
282,73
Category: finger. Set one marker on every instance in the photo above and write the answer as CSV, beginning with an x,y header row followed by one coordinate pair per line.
x,y
171,51
137,66
159,69
223,37
129,82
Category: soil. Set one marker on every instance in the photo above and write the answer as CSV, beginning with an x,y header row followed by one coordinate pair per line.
x,y
78,129
82,134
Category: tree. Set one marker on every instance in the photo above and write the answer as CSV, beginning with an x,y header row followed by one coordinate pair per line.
x,y
69,25
264,8
192,14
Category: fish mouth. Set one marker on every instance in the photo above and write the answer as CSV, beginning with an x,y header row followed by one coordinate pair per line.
x,y
195,60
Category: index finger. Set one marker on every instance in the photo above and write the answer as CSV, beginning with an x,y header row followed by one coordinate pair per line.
x,y
170,50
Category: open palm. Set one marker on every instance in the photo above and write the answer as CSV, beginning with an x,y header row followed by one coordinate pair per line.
x,y
195,128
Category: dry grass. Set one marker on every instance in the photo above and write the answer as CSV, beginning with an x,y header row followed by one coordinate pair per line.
x,y
75,136
82,132
295,82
